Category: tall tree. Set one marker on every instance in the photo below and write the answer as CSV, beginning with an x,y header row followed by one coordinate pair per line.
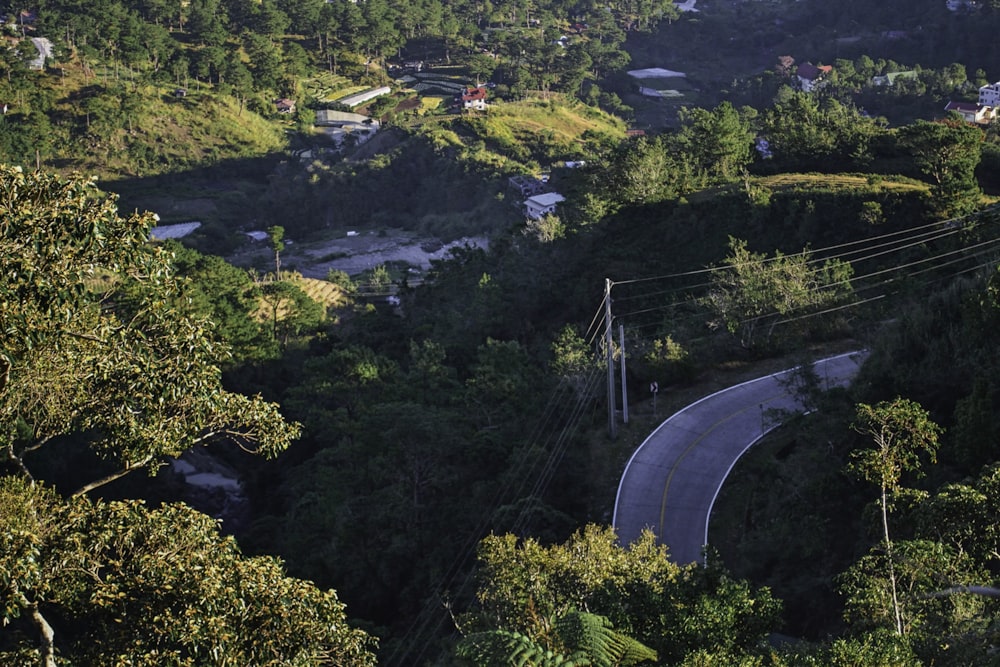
x,y
947,153
753,290
718,143
900,430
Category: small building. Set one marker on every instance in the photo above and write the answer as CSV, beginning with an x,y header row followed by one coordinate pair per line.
x,y
541,205
360,98
972,112
345,119
633,133
811,76
180,92
989,95
284,105
344,126
473,98
889,79
257,235
527,186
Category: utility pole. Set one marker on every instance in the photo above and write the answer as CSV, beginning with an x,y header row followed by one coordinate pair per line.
x,y
621,346
609,351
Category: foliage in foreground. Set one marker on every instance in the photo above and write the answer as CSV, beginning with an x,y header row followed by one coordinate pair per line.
x,y
530,589
129,372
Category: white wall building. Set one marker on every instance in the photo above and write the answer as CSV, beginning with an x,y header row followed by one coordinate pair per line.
x,y
989,95
362,97
540,205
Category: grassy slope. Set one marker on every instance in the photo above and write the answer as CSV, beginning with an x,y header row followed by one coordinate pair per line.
x,y
516,133
167,132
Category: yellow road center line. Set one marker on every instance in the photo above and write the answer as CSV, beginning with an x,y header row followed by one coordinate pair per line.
x,y
687,450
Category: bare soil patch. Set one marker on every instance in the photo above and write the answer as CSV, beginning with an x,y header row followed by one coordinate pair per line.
x,y
355,253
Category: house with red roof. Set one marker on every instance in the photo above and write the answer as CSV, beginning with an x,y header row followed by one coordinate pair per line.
x,y
474,98
971,112
811,76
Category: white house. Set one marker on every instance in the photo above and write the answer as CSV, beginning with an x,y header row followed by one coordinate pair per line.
x,y
473,98
989,95
971,112
540,205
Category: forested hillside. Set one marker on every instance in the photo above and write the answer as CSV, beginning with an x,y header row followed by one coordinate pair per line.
x,y
213,461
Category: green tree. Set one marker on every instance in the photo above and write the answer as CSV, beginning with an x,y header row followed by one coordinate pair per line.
x,y
717,143
753,289
574,362
588,639
641,172
824,133
276,236
97,347
900,430
947,153
899,589
156,587
224,295
292,311
525,587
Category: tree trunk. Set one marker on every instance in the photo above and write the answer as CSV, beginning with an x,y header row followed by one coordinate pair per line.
x,y
47,646
892,567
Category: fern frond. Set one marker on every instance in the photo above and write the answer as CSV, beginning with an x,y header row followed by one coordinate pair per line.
x,y
596,637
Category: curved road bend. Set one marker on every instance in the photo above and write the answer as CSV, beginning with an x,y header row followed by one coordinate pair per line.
x,y
672,479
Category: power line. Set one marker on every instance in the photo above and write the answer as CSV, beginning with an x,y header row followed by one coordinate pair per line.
x,y
951,224
425,624
524,471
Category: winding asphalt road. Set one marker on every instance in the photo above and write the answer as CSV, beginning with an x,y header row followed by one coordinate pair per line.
x,y
671,481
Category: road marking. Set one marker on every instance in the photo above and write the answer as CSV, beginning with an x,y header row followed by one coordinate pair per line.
x,y
677,463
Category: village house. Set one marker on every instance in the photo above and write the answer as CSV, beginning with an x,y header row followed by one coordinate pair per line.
x,y
473,98
339,126
890,78
989,95
541,205
972,112
811,76
284,105
527,186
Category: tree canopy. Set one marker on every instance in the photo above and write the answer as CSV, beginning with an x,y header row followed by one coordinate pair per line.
x,y
98,350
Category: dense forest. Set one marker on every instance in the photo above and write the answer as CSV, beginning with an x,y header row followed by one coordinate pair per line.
x,y
412,465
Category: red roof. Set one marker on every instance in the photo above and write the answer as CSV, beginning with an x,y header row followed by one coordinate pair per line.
x,y
473,94
968,107
811,72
